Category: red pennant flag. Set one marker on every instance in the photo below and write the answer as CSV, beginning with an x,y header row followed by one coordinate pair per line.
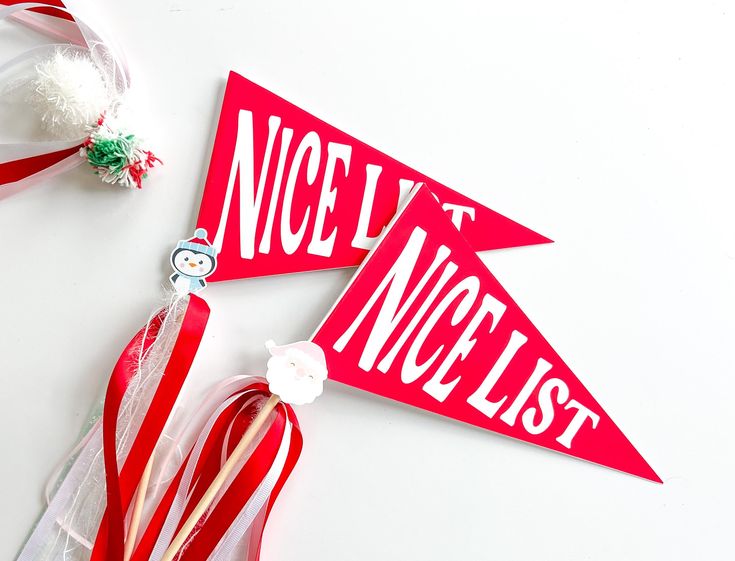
x,y
425,323
286,192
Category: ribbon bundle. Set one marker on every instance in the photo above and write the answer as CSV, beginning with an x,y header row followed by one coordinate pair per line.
x,y
90,514
234,522
77,87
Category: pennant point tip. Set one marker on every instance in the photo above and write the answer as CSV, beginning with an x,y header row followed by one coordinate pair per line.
x,y
649,474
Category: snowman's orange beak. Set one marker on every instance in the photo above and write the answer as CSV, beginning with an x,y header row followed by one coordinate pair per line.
x,y
192,264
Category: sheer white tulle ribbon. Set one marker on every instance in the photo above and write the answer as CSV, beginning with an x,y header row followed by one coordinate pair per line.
x,y
252,512
66,531
24,163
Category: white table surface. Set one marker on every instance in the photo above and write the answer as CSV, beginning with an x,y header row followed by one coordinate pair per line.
x,y
610,129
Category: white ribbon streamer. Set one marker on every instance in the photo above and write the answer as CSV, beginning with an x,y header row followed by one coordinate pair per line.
x,y
78,34
67,528
257,501
232,538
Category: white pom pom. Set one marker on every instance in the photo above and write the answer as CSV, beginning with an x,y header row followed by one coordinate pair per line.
x,y
69,92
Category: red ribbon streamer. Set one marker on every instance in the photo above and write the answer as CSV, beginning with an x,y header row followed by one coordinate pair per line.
x,y
15,170
225,433
109,545
50,11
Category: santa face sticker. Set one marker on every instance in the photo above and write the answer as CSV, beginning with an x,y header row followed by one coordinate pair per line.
x,y
193,260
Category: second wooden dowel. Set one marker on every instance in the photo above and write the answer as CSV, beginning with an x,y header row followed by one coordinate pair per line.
x,y
220,479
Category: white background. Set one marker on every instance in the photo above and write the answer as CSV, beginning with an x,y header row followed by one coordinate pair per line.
x,y
610,129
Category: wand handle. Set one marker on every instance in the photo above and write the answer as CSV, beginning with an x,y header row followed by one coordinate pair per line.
x,y
137,510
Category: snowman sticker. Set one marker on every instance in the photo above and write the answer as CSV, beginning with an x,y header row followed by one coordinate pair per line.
x,y
193,260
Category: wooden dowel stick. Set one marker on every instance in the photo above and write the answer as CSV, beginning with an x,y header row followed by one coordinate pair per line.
x,y
220,479
137,510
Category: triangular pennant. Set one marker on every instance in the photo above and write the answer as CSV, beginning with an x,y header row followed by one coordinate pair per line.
x,y
424,322
286,192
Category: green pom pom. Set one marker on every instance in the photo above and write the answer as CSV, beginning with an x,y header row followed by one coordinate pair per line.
x,y
111,153
115,156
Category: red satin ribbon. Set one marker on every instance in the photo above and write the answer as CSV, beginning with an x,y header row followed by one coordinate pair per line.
x,y
24,168
224,435
243,486
48,11
15,170
121,486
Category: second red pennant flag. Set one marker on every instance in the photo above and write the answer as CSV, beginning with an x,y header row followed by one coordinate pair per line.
x,y
424,322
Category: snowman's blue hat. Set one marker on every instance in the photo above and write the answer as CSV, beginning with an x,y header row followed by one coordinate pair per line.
x,y
198,243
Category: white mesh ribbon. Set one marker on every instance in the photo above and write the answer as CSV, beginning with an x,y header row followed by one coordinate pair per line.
x,y
66,531
26,162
